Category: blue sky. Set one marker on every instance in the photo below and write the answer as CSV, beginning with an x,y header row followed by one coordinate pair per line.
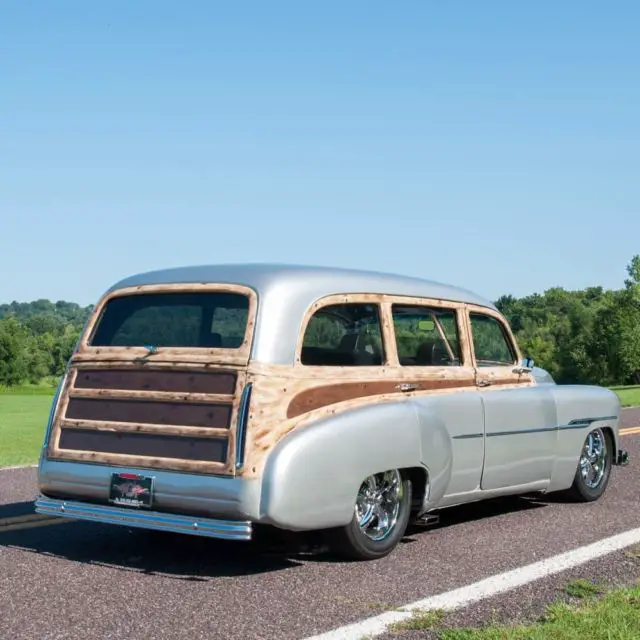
x,y
492,145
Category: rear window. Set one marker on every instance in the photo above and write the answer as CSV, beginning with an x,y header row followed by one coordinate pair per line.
x,y
206,320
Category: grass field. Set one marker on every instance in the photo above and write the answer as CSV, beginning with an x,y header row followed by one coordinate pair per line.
x,y
22,422
24,411
629,396
46,388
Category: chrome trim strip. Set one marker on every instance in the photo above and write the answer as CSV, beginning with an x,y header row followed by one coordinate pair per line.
x,y
578,423
468,436
587,421
206,527
52,410
520,432
241,428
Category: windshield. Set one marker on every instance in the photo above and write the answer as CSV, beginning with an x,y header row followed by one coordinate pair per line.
x,y
181,319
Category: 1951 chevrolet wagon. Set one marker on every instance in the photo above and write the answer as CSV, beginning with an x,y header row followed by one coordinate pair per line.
x,y
211,400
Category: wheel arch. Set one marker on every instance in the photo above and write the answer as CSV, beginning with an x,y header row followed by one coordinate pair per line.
x,y
419,478
312,475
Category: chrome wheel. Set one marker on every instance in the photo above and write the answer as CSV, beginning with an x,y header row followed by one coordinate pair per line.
x,y
378,504
593,460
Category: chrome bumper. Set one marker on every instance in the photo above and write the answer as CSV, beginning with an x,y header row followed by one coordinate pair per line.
x,y
207,527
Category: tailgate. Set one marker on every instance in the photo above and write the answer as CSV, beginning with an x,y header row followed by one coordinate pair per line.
x,y
157,380
165,417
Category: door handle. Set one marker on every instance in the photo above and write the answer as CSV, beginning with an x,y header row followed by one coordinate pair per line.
x,y
406,386
484,383
521,370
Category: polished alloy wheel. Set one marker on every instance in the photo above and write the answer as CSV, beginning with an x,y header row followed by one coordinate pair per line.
x,y
378,504
594,459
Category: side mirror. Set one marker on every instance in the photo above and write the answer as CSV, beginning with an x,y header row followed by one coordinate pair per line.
x,y
526,366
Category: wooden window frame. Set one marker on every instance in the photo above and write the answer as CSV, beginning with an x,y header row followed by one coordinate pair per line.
x,y
457,312
384,303
506,332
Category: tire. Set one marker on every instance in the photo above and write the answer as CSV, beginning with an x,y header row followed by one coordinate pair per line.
x,y
386,494
594,467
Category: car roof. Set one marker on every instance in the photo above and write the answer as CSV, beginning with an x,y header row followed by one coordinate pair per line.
x,y
306,281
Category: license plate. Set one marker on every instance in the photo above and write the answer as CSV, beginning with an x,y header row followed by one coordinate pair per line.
x,y
131,490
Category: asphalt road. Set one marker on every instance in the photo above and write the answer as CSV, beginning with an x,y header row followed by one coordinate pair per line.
x,y
83,580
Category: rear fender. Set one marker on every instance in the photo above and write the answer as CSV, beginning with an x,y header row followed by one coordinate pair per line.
x,y
312,476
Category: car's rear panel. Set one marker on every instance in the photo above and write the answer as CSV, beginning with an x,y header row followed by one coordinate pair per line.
x,y
173,407
157,417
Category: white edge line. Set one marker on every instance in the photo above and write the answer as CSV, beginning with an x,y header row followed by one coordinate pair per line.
x,y
19,466
491,586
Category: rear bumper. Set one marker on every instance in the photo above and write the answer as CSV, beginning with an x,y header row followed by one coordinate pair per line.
x,y
191,495
207,527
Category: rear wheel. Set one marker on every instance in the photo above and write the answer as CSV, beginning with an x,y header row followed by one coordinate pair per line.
x,y
594,467
380,518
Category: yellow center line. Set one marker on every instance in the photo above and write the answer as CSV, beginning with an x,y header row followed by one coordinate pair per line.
x,y
629,431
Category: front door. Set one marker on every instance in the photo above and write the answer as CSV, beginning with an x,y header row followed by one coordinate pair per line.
x,y
520,419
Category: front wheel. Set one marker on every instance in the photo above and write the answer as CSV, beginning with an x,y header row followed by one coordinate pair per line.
x,y
594,468
380,518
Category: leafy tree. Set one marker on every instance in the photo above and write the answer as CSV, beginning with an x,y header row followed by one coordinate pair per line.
x,y
13,338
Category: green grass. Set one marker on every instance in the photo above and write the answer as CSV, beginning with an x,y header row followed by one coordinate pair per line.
x,y
629,396
582,589
23,419
419,621
45,388
599,615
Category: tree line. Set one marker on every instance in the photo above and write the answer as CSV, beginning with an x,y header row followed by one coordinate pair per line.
x,y
37,339
589,336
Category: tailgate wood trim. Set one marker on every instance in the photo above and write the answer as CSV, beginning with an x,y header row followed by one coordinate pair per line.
x,y
163,396
206,434
160,429
133,379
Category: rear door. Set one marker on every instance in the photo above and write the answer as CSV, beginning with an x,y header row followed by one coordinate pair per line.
x,y
157,378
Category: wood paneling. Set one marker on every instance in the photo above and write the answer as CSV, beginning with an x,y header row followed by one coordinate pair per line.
x,y
150,412
220,382
144,444
318,397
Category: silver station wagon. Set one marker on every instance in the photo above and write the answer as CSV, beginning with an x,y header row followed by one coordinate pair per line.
x,y
212,400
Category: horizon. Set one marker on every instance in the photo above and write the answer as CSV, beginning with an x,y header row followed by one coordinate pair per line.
x,y
315,266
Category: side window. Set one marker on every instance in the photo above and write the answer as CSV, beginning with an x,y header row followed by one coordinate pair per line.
x,y
426,337
490,342
342,335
